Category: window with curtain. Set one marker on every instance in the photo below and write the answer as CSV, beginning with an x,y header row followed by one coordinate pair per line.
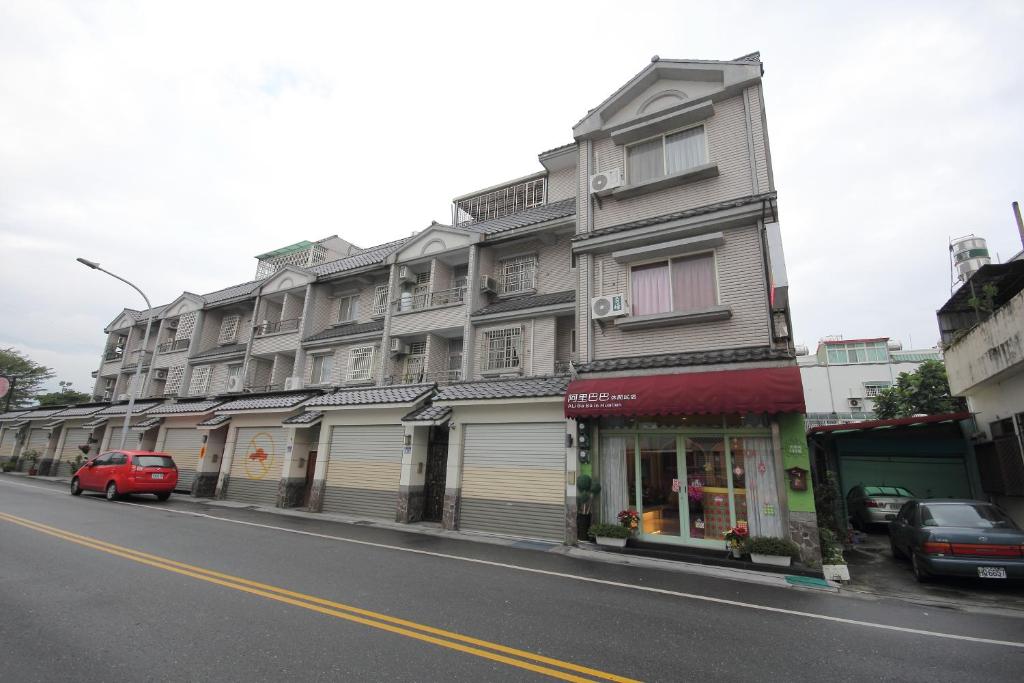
x,y
679,285
666,155
348,308
321,370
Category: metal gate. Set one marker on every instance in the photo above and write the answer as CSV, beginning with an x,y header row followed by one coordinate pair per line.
x,y
184,445
364,470
926,477
513,480
256,465
434,478
38,440
73,438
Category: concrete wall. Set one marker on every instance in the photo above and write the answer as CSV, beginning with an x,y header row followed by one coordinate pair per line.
x,y
989,352
827,388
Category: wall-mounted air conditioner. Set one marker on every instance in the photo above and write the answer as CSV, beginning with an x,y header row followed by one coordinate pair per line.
x,y
854,402
398,348
604,182
234,384
122,397
611,306
292,383
488,284
160,373
405,274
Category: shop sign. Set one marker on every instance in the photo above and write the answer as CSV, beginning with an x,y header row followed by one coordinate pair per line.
x,y
597,400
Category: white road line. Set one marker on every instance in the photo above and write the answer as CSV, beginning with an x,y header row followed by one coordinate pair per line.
x,y
575,577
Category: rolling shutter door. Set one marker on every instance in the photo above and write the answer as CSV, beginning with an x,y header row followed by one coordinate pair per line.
x,y
513,480
184,444
256,465
74,438
130,444
8,442
364,470
926,477
38,440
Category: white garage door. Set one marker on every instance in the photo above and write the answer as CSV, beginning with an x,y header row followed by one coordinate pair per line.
x,y
256,465
364,470
184,444
73,438
130,444
8,442
513,480
38,440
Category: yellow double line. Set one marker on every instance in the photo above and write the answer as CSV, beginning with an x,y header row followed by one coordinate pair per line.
x,y
566,671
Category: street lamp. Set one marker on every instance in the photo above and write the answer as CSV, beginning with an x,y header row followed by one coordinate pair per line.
x,y
142,353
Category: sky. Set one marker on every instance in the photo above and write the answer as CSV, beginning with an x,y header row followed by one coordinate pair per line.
x,y
172,142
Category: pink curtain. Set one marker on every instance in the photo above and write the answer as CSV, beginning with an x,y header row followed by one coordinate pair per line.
x,y
651,289
693,283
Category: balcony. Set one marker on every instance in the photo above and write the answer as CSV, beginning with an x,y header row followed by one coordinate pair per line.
x,y
268,328
990,351
147,357
170,346
426,312
111,356
444,297
500,201
440,378
263,388
563,367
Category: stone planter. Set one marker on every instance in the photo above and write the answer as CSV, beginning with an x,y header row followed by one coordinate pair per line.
x,y
611,542
836,572
774,560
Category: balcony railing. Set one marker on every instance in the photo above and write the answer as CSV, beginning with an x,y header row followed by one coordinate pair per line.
x,y
175,345
267,327
827,419
439,298
259,388
113,355
441,378
146,358
563,367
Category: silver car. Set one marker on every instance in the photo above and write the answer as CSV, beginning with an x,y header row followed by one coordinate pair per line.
x,y
869,505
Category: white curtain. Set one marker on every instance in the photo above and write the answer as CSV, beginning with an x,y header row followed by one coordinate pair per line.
x,y
763,514
651,292
611,472
693,283
685,150
645,161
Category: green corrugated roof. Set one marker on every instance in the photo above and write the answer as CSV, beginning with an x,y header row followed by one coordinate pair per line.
x,y
290,249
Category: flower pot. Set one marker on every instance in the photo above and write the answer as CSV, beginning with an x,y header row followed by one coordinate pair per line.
x,y
32,471
611,542
836,572
736,552
774,560
583,527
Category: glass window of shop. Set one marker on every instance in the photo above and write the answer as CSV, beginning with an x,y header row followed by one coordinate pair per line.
x,y
690,478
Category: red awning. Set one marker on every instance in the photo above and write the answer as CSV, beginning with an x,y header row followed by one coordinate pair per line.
x,y
764,390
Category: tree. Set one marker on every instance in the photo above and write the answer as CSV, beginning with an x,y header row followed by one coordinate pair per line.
x,y
26,375
924,391
65,397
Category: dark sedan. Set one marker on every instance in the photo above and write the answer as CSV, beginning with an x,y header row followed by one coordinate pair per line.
x,y
966,538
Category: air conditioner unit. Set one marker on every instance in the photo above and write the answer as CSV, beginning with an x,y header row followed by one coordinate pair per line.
x,y
854,402
612,306
397,347
122,397
292,383
488,284
160,373
171,324
604,182
405,274
234,384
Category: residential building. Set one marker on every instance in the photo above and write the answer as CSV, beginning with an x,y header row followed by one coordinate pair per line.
x,y
622,311
843,377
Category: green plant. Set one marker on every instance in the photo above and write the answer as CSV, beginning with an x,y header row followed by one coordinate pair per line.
x,y
586,489
31,456
924,391
769,545
609,531
826,502
9,465
831,550
76,463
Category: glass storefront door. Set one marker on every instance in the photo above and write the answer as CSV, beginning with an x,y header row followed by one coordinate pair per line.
x,y
659,485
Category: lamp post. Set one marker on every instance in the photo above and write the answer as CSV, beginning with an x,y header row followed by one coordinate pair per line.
x,y
142,352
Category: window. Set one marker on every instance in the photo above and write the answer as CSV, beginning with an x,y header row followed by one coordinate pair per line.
x,y
666,155
153,461
871,389
233,372
680,285
965,516
518,274
348,309
229,329
117,459
174,377
200,380
361,364
858,352
504,348
321,369
455,359
380,300
186,324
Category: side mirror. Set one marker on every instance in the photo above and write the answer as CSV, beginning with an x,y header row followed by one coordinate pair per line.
x,y
91,463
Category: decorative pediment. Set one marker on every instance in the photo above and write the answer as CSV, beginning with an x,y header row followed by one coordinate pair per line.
x,y
287,278
186,303
123,321
436,239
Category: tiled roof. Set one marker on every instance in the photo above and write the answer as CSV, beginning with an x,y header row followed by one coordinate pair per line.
x,y
95,422
39,413
232,292
143,316
80,411
361,259
214,421
560,148
430,413
524,302
261,402
402,393
347,330
11,415
665,218
221,351
121,408
741,355
308,417
522,219
147,424
532,387
181,407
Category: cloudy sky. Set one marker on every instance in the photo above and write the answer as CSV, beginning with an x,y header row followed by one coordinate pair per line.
x,y
174,141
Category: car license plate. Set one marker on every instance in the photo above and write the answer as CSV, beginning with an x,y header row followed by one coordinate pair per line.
x,y
992,572
158,475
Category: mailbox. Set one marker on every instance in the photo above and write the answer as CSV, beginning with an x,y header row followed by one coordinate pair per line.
x,y
797,478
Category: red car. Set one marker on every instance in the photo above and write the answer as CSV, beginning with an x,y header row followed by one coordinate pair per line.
x,y
121,472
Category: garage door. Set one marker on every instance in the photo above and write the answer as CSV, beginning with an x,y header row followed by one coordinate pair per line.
x,y
130,444
38,440
364,470
73,438
256,465
8,442
184,444
927,477
513,480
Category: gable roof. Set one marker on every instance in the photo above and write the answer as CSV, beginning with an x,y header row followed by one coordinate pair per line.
x,y
371,256
538,214
531,387
267,401
525,302
347,330
402,393
232,292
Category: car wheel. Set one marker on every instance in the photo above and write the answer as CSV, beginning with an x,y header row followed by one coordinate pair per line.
x,y
897,554
919,573
112,493
76,488
163,496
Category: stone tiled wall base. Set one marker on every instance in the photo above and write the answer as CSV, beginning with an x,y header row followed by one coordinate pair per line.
x,y
450,516
410,504
316,496
570,524
204,485
44,468
803,530
290,492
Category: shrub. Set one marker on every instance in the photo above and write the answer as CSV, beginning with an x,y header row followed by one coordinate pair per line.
x,y
769,545
609,531
586,489
9,466
831,550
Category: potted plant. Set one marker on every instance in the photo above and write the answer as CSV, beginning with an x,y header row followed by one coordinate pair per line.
x,y
9,465
833,564
612,535
629,518
586,489
32,458
770,550
734,538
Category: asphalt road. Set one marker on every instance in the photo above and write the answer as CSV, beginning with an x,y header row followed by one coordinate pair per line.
x,y
221,595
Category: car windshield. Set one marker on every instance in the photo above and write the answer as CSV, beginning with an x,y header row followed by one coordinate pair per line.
x,y
965,515
888,491
153,461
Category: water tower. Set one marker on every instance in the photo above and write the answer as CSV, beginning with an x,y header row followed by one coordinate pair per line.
x,y
969,253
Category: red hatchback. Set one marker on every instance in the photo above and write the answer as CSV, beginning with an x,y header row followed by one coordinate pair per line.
x,y
121,472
